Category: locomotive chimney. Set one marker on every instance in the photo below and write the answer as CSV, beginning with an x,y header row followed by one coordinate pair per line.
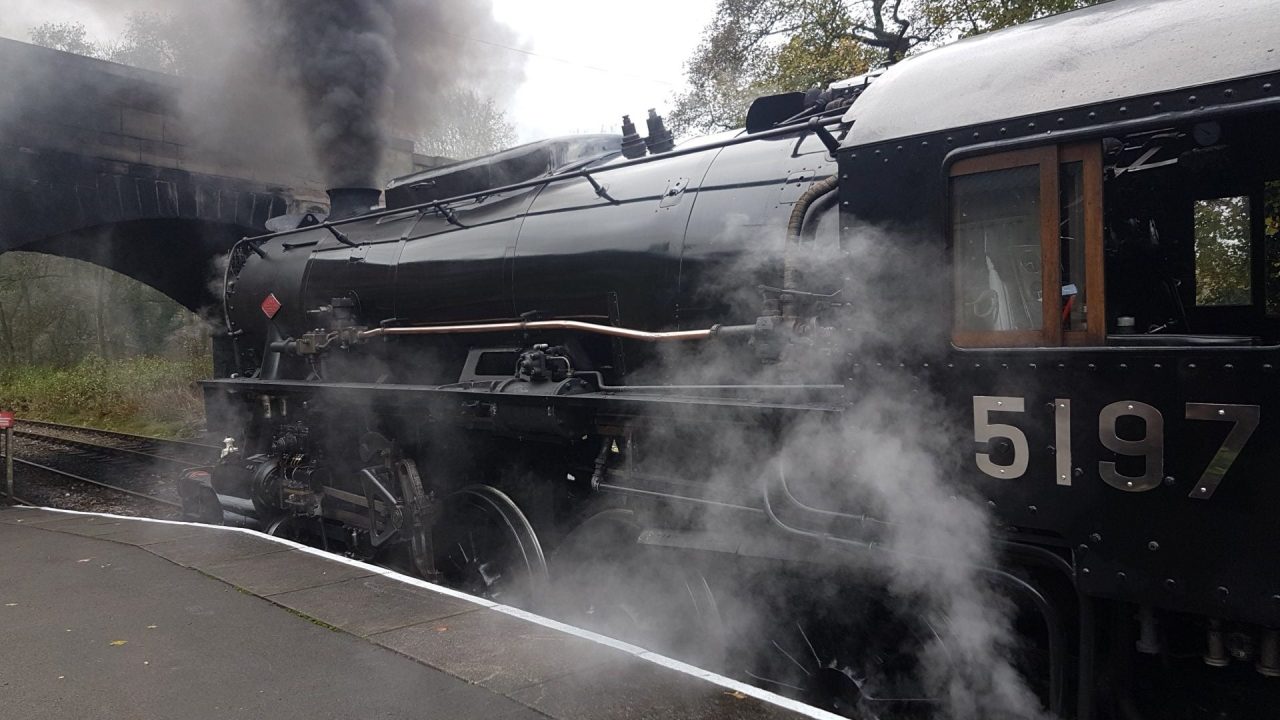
x,y
351,201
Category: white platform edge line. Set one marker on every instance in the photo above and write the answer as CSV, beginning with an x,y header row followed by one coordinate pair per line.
x,y
635,650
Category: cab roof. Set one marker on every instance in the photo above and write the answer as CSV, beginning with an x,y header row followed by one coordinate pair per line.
x,y
1110,51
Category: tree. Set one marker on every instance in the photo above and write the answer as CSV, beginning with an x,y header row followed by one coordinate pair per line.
x,y
756,47
1222,250
69,37
971,17
737,59
150,41
469,125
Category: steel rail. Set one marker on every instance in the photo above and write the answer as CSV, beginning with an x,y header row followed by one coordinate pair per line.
x,y
98,483
123,435
109,449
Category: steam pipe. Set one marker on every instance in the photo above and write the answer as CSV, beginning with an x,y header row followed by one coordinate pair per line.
x,y
794,226
610,330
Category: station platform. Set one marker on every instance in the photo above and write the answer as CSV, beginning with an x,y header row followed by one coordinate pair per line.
x,y
110,617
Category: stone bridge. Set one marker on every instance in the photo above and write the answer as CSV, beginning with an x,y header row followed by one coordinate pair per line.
x,y
98,163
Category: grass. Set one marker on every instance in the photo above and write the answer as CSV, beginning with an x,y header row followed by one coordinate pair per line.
x,y
145,395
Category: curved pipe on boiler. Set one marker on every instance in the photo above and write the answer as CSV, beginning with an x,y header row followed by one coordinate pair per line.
x,y
794,226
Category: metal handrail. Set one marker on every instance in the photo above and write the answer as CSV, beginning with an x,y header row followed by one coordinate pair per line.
x,y
818,125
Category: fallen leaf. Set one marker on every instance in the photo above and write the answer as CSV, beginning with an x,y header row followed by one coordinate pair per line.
x,y
735,695
118,643
441,628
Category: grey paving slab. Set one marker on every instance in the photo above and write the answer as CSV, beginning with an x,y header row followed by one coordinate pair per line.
x,y
130,635
282,572
374,604
214,547
136,533
639,689
497,651
90,525
118,604
27,516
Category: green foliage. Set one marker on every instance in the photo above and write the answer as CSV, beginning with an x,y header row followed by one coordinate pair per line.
x,y
147,395
822,50
1222,251
83,345
1271,230
757,47
732,64
54,311
970,17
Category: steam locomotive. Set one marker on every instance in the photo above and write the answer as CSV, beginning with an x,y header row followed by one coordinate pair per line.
x,y
570,376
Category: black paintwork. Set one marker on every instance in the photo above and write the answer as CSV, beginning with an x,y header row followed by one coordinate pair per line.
x,y
557,250
682,242
1212,556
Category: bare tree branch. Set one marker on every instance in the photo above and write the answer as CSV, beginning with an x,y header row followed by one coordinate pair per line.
x,y
896,43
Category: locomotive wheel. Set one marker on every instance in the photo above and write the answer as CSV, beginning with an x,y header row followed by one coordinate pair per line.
x,y
304,530
416,522
608,583
865,669
485,546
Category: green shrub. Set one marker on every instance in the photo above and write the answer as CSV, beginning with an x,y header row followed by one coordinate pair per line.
x,y
148,395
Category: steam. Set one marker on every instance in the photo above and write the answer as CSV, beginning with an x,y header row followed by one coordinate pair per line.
x,y
290,89
893,455
345,74
340,55
362,70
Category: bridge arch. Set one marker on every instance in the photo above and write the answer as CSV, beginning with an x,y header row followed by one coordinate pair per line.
x,y
160,226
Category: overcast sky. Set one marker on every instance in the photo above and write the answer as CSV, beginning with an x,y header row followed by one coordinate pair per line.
x,y
587,62
596,60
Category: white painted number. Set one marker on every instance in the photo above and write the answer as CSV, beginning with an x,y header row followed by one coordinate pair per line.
x,y
1149,447
1245,419
985,431
1062,440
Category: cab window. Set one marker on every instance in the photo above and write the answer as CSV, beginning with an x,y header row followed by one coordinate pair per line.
x,y
1192,234
1026,243
1165,237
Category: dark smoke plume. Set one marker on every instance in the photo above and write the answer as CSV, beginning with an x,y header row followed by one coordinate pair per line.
x,y
340,56
365,69
284,88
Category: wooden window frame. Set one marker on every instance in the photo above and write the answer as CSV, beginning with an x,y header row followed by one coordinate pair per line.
x,y
1049,160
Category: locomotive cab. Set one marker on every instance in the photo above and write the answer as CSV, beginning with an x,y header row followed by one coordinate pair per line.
x,y
1182,222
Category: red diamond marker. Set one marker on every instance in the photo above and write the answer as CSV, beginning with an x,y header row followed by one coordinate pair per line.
x,y
270,306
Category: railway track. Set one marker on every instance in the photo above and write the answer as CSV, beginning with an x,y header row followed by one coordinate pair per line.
x,y
91,469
